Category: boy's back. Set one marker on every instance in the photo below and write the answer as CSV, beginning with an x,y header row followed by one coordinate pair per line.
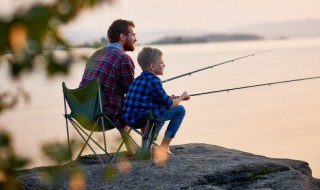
x,y
145,94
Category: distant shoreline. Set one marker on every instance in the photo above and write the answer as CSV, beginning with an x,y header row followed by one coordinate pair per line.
x,y
206,38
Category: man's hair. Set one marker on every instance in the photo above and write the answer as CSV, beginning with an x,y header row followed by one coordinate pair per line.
x,y
117,27
147,56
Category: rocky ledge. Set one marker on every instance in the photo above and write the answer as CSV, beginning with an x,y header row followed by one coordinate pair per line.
x,y
193,166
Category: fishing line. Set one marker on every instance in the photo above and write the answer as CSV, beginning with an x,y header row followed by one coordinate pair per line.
x,y
215,65
254,86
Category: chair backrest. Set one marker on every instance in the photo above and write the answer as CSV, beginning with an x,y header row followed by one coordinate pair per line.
x,y
86,104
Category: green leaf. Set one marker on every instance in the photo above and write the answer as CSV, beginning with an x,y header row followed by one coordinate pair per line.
x,y
4,139
109,172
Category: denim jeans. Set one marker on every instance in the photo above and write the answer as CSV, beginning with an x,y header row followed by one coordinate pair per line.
x,y
175,115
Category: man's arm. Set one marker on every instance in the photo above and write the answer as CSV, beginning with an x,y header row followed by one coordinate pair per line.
x,y
126,73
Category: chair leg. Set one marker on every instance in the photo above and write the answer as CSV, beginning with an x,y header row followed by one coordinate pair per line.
x,y
69,146
79,127
147,140
86,143
126,136
144,142
104,139
116,153
67,127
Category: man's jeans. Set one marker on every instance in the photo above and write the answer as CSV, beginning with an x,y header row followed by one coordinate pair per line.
x,y
175,115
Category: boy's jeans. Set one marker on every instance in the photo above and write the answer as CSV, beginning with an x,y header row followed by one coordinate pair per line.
x,y
175,115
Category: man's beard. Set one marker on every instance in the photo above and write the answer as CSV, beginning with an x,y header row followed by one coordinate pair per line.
x,y
127,46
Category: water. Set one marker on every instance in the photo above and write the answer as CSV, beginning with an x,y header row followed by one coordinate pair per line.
x,y
280,121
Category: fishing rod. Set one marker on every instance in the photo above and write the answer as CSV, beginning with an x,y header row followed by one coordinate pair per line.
x,y
256,85
215,65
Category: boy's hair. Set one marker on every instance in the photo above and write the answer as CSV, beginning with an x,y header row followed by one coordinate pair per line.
x,y
147,56
117,27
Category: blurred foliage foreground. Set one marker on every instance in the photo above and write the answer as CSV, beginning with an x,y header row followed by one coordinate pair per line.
x,y
52,177
28,38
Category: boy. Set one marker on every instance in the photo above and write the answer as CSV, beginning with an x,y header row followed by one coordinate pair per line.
x,y
147,94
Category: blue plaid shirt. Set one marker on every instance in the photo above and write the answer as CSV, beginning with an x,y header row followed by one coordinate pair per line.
x,y
145,94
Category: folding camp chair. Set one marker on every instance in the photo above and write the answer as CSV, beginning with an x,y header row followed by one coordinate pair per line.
x,y
86,106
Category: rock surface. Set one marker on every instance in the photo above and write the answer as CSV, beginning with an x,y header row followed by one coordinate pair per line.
x,y
193,166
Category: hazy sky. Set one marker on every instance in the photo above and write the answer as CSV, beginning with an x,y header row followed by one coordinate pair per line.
x,y
196,15
211,15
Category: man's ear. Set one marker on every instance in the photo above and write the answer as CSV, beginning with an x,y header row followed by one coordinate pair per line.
x,y
122,36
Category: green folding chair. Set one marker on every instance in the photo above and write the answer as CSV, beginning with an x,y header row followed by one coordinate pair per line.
x,y
86,114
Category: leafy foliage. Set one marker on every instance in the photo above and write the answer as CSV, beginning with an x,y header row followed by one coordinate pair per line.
x,y
9,161
25,38
59,152
29,34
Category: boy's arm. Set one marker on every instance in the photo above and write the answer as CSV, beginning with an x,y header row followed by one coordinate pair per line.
x,y
159,95
176,101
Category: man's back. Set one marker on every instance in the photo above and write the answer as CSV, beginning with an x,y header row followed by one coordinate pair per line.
x,y
115,69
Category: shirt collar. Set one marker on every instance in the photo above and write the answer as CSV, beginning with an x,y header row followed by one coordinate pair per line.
x,y
149,73
115,44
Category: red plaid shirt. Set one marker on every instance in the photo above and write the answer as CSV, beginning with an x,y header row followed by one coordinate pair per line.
x,y
115,69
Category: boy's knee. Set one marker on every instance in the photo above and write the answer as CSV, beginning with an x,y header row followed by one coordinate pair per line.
x,y
182,110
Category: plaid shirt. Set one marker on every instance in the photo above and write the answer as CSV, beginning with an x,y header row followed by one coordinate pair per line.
x,y
115,69
145,94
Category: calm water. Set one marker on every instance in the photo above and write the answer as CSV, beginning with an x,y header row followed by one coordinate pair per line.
x,y
281,121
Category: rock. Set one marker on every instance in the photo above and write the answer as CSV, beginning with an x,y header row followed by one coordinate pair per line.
x,y
193,166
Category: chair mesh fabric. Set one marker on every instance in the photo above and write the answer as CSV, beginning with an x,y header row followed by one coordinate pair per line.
x,y
84,105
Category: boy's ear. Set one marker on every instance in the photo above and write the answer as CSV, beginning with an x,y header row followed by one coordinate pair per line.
x,y
151,67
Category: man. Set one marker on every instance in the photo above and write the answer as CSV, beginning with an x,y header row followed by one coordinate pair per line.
x,y
114,68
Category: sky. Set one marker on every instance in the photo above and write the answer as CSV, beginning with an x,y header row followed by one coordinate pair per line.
x,y
152,16
214,15
156,16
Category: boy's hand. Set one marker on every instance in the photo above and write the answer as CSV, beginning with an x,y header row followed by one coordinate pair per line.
x,y
174,97
185,96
